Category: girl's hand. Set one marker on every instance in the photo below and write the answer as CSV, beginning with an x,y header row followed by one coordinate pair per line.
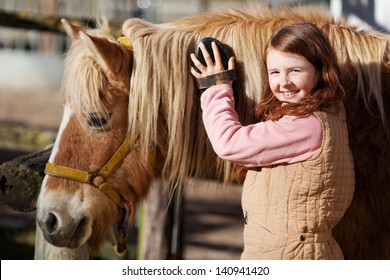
x,y
211,68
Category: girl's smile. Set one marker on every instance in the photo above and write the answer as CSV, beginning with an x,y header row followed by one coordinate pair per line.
x,y
289,94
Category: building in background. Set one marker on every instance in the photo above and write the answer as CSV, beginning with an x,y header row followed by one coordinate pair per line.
x,y
365,13
116,11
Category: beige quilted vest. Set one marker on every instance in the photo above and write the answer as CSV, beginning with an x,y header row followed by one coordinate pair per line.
x,y
290,210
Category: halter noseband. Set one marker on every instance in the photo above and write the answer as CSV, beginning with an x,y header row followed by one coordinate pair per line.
x,y
98,179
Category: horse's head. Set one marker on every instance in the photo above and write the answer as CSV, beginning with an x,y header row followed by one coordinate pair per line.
x,y
96,170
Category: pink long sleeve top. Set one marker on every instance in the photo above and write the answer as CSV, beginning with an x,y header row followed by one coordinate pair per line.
x,y
288,140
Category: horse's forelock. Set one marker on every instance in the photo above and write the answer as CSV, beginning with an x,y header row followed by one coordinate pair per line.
x,y
82,83
86,86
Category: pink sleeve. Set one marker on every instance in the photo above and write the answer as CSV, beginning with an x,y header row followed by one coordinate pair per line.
x,y
288,140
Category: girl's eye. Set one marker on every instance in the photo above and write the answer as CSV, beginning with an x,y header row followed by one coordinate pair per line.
x,y
98,120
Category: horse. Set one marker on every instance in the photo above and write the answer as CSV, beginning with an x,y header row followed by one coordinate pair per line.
x,y
137,91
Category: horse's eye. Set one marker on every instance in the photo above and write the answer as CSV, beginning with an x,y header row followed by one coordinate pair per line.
x,y
98,119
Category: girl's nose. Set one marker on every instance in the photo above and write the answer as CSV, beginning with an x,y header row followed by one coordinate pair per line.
x,y
284,80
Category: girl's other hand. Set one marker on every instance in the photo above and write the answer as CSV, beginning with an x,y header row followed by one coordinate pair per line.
x,y
211,67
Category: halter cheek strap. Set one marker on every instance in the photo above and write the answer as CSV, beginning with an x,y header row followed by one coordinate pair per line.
x,y
95,178
98,179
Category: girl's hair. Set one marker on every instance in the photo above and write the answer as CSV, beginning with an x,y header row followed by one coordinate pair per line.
x,y
307,40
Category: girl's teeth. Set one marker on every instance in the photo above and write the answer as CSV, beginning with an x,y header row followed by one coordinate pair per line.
x,y
289,93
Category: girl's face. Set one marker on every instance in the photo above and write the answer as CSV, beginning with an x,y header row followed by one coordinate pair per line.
x,y
291,76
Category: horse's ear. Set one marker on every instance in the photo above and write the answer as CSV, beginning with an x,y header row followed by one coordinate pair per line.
x,y
99,49
70,29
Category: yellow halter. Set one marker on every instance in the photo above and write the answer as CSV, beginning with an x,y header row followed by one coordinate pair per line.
x,y
126,43
98,179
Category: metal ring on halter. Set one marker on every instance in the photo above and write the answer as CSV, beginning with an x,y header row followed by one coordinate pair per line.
x,y
97,179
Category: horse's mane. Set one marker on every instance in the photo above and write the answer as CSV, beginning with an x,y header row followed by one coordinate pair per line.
x,y
162,87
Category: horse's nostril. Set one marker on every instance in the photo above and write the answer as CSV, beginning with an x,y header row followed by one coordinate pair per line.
x,y
83,221
80,229
51,223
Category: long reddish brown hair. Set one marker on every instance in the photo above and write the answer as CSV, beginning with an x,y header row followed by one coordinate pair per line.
x,y
307,40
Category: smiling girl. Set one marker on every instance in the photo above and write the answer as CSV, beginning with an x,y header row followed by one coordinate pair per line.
x,y
301,175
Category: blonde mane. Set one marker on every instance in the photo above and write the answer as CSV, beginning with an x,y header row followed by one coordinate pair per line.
x,y
163,93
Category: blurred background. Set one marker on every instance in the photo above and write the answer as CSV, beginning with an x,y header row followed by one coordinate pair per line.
x,y
32,49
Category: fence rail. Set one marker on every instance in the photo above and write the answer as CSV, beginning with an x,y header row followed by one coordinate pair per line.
x,y
39,22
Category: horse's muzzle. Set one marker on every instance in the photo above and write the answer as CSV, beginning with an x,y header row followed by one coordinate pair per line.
x,y
63,232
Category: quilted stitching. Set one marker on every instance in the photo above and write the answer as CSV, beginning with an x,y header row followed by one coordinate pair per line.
x,y
291,209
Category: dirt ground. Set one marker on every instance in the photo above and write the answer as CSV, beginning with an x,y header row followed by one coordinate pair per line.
x,y
212,213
